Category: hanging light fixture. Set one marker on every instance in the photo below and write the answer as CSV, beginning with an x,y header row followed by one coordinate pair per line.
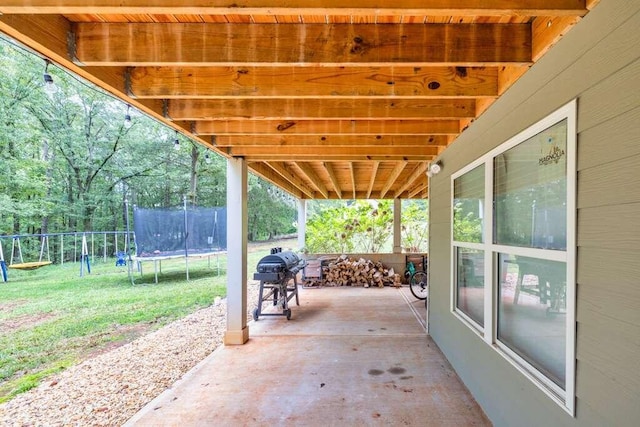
x,y
49,85
176,143
207,158
127,118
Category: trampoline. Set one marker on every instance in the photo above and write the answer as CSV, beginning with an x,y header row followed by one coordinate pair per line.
x,y
163,234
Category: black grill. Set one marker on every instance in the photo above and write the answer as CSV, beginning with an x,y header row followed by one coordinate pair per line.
x,y
275,272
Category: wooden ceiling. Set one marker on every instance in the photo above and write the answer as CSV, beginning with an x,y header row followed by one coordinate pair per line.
x,y
323,99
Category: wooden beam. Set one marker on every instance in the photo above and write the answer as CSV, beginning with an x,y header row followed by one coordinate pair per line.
x,y
283,171
297,109
352,173
332,177
547,31
302,82
268,174
417,173
320,151
392,178
420,189
311,157
327,127
276,141
337,45
391,8
306,169
372,180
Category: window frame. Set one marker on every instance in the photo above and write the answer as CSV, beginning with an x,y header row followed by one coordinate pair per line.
x,y
563,397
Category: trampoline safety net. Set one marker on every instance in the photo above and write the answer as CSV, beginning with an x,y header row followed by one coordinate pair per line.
x,y
167,232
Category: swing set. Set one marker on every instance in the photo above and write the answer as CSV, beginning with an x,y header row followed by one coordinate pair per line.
x,y
83,250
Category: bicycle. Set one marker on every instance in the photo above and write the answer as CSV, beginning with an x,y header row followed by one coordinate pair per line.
x,y
418,280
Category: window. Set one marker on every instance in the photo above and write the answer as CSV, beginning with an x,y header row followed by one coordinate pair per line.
x,y
468,232
514,274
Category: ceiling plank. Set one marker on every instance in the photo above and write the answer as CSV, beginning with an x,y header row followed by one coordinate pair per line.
x,y
397,170
265,172
420,169
306,169
389,8
372,180
331,152
327,127
283,171
332,82
294,109
333,178
277,141
313,44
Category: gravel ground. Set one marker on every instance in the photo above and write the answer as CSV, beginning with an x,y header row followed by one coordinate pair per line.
x,y
109,389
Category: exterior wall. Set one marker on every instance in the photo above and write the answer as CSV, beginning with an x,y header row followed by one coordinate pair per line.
x,y
597,62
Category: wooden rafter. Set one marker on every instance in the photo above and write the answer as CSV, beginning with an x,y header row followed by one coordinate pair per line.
x,y
397,170
333,178
352,173
332,141
419,170
372,179
300,109
308,171
321,151
266,172
284,172
286,44
300,7
326,127
302,82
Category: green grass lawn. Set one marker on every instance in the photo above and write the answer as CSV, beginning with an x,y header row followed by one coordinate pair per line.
x,y
51,318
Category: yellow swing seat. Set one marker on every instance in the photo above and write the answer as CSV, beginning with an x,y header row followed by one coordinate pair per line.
x,y
29,265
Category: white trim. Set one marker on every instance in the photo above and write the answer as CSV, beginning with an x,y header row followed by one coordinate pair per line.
x,y
565,398
489,275
546,254
469,245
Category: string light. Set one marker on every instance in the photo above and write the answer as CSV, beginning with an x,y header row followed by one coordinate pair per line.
x,y
176,143
127,118
49,85
207,158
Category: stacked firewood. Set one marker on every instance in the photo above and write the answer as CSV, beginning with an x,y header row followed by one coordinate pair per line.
x,y
345,271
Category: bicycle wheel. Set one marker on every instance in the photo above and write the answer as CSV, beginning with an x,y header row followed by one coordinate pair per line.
x,y
419,284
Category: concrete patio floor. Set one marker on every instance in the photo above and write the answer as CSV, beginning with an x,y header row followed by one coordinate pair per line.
x,y
348,357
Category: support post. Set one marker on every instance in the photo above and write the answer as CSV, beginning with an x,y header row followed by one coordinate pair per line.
x,y
237,229
397,226
302,223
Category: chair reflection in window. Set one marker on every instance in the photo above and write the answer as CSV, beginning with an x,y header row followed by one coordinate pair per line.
x,y
544,279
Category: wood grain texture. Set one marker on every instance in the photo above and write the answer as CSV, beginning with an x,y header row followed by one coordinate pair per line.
x,y
264,8
334,82
327,127
333,141
300,109
282,44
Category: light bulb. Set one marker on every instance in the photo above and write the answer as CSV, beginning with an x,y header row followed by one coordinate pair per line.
x,y
176,144
127,121
49,85
207,158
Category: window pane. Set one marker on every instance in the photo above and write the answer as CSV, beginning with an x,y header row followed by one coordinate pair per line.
x,y
531,312
468,203
470,283
530,192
